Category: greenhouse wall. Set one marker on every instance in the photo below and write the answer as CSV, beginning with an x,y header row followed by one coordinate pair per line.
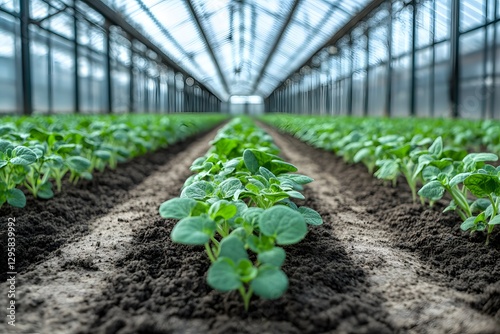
x,y
65,57
431,58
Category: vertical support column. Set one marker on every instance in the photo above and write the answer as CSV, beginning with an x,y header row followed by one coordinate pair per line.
x,y
25,58
455,62
109,87
432,97
350,92
486,51
494,68
367,81
388,92
131,95
75,55
50,97
413,86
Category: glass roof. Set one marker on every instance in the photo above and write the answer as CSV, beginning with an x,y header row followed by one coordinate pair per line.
x,y
239,47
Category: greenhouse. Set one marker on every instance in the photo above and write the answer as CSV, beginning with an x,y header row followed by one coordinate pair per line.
x,y
250,166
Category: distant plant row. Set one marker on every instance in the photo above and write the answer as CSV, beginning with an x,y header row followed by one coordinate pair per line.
x,y
239,206
432,155
36,153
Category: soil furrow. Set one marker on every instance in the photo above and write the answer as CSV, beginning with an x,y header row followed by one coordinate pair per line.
x,y
53,294
413,294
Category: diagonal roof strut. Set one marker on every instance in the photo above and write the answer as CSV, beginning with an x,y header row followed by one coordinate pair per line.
x,y
209,46
275,44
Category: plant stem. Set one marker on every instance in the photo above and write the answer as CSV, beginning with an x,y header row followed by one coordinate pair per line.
x,y
246,295
209,252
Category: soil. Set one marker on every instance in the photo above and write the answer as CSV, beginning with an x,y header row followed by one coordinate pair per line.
x,y
379,264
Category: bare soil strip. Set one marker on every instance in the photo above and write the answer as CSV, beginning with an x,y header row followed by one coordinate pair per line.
x,y
414,294
52,294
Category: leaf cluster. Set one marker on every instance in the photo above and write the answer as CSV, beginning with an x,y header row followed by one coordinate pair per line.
x,y
240,201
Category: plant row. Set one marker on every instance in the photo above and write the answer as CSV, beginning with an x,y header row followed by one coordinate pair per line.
x,y
393,147
38,152
238,205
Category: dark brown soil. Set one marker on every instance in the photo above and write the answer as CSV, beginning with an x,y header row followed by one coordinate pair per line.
x,y
44,226
379,264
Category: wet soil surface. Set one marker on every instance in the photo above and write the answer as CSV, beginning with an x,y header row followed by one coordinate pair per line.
x,y
379,264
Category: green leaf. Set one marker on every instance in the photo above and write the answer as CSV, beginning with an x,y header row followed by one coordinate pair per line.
x,y
482,185
246,270
198,190
251,161
103,154
295,194
437,147
193,231
16,198
495,220
278,167
23,156
270,283
266,173
459,178
298,178
311,217
229,187
430,173
233,248
78,164
388,170
5,146
45,191
223,276
481,157
433,190
468,224
275,256
3,163
224,209
285,224
177,208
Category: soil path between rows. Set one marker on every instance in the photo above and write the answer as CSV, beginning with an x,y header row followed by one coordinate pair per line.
x,y
413,293
52,294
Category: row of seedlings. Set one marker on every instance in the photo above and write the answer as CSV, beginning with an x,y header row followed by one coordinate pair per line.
x,y
240,201
37,152
424,161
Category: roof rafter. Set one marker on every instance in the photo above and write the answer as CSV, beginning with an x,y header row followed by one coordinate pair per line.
x,y
209,46
275,44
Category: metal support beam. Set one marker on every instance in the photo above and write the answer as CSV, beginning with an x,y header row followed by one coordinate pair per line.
x,y
209,46
76,75
119,20
25,57
109,87
455,64
131,96
366,101
413,86
388,93
494,69
275,44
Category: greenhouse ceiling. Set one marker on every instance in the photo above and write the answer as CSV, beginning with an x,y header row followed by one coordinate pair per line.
x,y
239,47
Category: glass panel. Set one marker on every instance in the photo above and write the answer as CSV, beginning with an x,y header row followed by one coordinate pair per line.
x,y
472,13
8,64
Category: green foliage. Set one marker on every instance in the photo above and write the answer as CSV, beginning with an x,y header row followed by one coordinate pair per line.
x,y
38,152
426,152
239,201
